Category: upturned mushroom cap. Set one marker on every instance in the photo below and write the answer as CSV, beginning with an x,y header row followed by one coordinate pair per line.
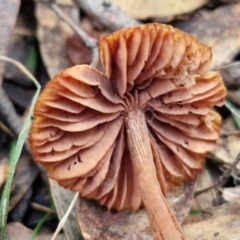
x,y
79,131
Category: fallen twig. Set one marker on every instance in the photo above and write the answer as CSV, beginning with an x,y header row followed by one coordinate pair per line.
x,y
42,208
221,179
106,14
7,130
230,133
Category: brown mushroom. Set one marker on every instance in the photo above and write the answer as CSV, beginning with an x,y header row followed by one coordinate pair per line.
x,y
126,137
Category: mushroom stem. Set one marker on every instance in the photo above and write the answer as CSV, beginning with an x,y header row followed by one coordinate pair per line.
x,y
163,223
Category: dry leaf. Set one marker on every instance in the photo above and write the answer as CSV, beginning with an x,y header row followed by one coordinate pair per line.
x,y
219,29
62,199
65,3
22,47
227,147
231,74
231,77
25,175
52,36
76,49
18,95
17,230
158,8
208,198
220,223
99,223
231,194
8,15
234,96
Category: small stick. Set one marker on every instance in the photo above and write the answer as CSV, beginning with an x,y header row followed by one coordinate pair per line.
x,y
107,14
42,208
7,130
221,179
230,133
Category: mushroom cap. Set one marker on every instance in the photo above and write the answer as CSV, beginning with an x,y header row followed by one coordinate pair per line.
x,y
79,132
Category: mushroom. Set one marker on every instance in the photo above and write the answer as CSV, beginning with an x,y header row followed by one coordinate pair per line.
x,y
126,137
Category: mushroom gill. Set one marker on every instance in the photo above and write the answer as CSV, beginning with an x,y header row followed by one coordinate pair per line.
x,y
80,132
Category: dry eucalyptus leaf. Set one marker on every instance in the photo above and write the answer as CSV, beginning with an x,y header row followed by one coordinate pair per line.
x,y
158,8
8,15
65,3
231,74
227,147
17,230
234,96
206,199
62,199
180,199
219,29
25,174
52,36
231,194
19,50
76,49
97,222
217,223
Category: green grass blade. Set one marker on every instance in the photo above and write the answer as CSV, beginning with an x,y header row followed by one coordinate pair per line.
x,y
40,224
31,62
4,204
233,111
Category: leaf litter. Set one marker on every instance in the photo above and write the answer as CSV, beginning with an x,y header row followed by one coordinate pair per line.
x,y
227,148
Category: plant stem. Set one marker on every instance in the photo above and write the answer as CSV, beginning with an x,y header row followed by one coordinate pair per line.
x,y
163,223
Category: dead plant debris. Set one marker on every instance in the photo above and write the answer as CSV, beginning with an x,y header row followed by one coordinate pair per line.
x,y
42,38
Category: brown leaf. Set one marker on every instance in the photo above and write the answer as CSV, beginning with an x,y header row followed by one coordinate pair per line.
x,y
26,172
206,199
231,194
231,74
8,15
52,36
234,96
62,199
217,223
227,147
17,94
77,51
158,8
219,29
66,3
17,230
99,223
